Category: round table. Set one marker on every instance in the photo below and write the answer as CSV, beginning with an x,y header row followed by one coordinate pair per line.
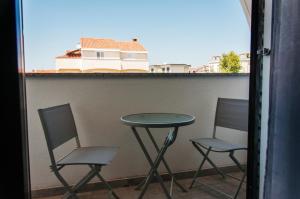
x,y
157,120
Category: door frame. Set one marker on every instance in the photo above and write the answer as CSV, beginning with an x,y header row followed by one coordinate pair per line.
x,y
17,176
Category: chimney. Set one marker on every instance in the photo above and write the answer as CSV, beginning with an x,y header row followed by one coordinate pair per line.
x,y
135,39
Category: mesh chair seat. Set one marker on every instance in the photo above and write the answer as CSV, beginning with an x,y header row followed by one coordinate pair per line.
x,y
218,145
98,155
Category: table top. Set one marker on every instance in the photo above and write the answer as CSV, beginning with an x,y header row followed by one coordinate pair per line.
x,y
157,120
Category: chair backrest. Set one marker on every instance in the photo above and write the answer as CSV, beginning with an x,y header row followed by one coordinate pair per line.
x,y
58,124
232,113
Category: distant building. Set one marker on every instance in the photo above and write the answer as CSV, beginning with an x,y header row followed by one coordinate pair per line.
x,y
45,71
203,69
170,68
193,69
245,62
104,55
214,63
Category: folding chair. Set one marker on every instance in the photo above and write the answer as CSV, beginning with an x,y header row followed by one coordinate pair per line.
x,y
59,127
233,114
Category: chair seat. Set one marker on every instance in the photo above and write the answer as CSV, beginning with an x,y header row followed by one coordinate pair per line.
x,y
98,155
218,145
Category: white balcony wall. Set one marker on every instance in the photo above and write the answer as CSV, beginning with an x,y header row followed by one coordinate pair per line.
x,y
98,103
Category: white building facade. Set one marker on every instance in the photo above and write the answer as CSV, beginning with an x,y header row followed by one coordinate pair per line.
x,y
170,68
214,64
105,55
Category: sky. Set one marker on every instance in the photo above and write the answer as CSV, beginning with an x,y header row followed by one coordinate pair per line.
x,y
173,31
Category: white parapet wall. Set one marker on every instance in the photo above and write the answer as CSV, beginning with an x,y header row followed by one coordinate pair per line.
x,y
67,63
114,64
135,64
98,103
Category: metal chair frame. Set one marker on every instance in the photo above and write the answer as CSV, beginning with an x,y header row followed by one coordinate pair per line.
x,y
199,147
55,167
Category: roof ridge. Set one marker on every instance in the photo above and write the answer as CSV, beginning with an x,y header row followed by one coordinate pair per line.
x,y
98,38
88,42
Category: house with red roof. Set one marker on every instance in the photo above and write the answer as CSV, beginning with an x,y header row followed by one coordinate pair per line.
x,y
105,55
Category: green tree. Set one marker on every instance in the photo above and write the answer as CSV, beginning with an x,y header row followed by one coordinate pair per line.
x,y
230,63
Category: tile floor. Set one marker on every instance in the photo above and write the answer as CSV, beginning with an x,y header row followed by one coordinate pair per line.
x,y
154,191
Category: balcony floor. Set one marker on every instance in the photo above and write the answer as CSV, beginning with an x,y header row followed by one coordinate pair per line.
x,y
154,191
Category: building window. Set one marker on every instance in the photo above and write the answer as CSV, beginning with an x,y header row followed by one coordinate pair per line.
x,y
100,55
168,69
130,55
152,70
163,69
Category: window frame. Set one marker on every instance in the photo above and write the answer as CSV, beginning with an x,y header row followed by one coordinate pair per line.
x,y
11,23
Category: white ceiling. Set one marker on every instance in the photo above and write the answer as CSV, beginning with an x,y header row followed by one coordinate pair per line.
x,y
246,4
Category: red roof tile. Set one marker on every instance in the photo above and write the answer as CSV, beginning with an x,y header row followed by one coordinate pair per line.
x,y
71,54
111,44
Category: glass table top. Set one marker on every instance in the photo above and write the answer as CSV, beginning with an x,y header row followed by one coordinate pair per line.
x,y
158,120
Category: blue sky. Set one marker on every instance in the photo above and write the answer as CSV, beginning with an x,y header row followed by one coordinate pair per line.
x,y
173,31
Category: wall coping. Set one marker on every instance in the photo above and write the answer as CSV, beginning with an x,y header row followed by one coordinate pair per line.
x,y
134,75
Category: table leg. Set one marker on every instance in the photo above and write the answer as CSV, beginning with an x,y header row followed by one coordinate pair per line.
x,y
165,162
154,166
152,172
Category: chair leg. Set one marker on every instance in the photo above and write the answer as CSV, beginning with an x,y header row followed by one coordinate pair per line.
x,y
231,155
199,169
209,160
240,186
70,192
85,180
106,183
108,186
